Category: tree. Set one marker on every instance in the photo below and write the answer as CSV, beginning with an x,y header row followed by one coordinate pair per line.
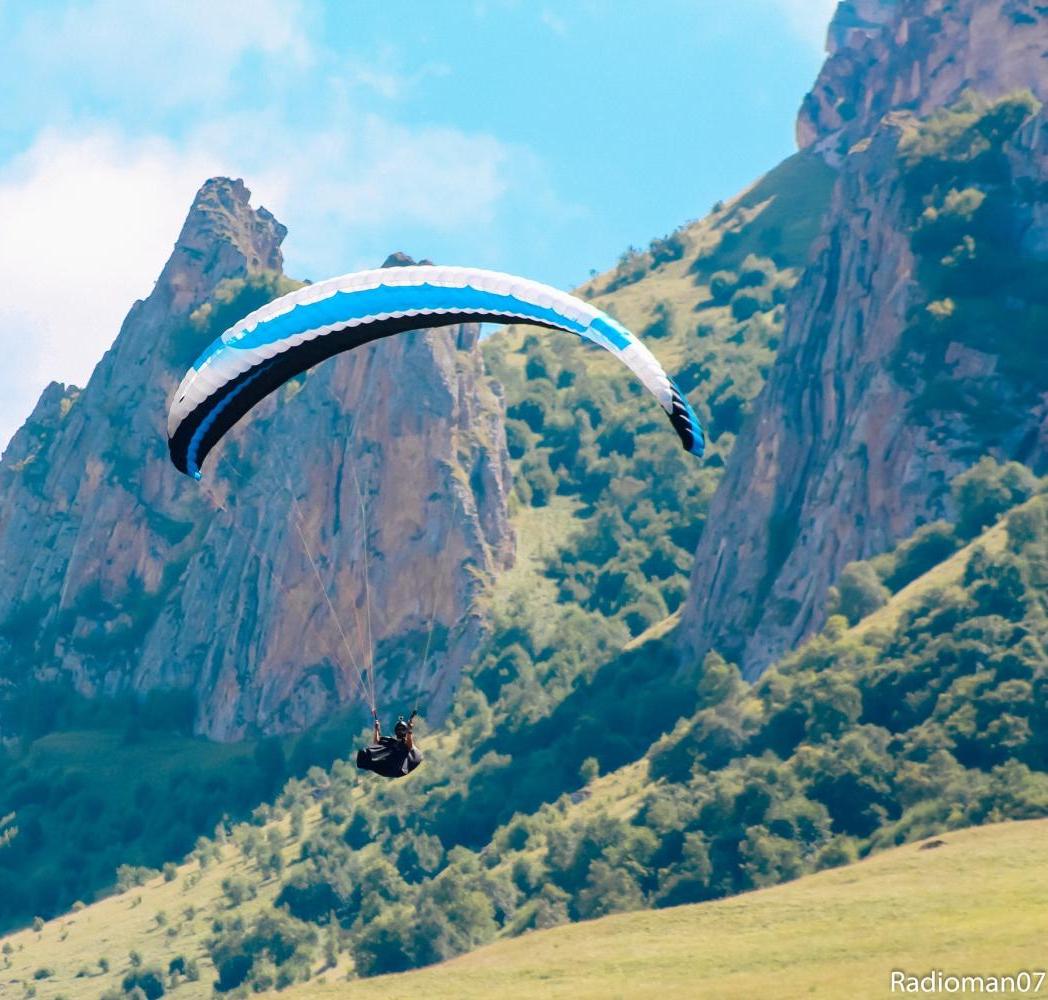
x,y
859,592
387,943
608,890
722,286
149,981
454,915
987,490
273,937
688,881
927,547
238,889
1028,524
589,770
768,859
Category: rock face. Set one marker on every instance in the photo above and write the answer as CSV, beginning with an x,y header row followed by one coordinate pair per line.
x,y
119,574
849,448
918,55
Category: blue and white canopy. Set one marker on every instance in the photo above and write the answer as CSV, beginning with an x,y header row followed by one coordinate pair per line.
x,y
273,344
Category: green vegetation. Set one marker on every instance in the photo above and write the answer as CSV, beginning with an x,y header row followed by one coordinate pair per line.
x,y
105,784
233,299
834,934
855,743
93,784
578,428
863,739
975,346
37,434
586,769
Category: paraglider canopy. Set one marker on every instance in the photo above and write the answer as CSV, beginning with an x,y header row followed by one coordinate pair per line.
x,y
272,345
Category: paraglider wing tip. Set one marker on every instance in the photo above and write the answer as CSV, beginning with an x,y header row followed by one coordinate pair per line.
x,y
686,423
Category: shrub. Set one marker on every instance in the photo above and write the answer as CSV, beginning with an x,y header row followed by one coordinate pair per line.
x,y
859,592
746,302
238,889
722,286
660,325
987,490
756,271
668,248
927,547
149,981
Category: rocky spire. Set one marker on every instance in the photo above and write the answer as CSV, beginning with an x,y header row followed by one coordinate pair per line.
x,y
124,575
222,237
849,448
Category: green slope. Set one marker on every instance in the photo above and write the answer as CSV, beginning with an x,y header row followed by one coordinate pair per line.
x,y
974,904
721,940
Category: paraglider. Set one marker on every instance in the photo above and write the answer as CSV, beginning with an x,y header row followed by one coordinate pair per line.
x,y
391,756
272,345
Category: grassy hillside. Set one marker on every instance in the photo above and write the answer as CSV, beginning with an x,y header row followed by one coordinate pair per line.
x,y
79,783
646,833
106,784
974,903
620,506
171,917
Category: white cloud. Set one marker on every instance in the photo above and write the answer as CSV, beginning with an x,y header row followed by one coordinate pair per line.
x,y
554,22
90,212
88,223
161,53
807,19
90,220
383,75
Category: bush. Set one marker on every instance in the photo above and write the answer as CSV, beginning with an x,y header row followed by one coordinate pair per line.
x,y
987,490
1027,524
238,889
276,938
149,981
632,266
536,471
667,249
722,286
859,592
756,271
131,876
660,325
746,302
927,547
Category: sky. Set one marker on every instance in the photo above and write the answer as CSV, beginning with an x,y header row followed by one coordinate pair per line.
x,y
541,138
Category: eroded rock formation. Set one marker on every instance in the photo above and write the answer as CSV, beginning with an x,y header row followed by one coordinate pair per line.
x,y
879,394
119,574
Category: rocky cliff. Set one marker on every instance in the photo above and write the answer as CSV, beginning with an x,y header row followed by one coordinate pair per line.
x,y
912,342
118,574
918,56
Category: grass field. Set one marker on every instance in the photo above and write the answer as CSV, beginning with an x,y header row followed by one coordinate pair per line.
x,y
973,905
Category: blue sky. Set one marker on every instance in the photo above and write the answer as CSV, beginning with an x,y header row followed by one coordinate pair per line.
x,y
536,137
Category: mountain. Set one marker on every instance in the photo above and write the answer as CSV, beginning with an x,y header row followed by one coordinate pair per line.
x,y
861,330
118,575
764,784
911,343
